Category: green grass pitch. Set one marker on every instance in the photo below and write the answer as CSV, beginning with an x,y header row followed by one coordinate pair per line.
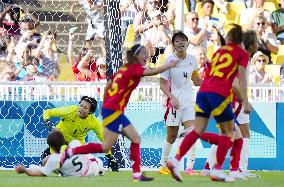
x,y
123,179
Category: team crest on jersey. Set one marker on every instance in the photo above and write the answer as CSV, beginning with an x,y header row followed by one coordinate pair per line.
x,y
86,128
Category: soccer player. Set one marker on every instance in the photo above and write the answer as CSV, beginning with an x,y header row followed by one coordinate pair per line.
x,y
177,86
251,46
214,98
78,165
116,96
76,122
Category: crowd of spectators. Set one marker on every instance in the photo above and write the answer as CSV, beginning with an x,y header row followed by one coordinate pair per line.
x,y
28,55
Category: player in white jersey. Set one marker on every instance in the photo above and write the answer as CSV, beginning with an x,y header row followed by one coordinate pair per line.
x,y
177,86
77,165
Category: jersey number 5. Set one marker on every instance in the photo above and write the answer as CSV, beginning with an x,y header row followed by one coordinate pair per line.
x,y
114,85
225,61
77,163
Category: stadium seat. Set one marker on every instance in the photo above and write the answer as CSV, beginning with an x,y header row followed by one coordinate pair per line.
x,y
66,70
234,10
274,70
210,51
130,36
279,58
199,11
270,6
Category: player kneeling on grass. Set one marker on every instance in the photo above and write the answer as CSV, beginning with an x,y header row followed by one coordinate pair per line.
x,y
77,165
76,122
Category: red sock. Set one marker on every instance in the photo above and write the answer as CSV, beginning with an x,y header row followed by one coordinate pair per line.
x,y
236,154
210,138
224,145
88,148
135,156
207,166
186,144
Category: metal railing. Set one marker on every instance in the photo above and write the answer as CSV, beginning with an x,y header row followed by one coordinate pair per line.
x,y
73,91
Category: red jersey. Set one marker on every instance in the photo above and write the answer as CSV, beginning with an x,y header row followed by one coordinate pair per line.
x,y
82,77
224,68
124,82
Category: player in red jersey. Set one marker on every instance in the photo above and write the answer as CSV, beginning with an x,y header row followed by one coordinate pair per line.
x,y
116,95
214,98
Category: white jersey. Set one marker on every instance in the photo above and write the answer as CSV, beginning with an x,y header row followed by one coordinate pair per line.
x,y
179,79
92,15
76,165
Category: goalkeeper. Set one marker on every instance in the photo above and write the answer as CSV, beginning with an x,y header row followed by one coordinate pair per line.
x,y
76,122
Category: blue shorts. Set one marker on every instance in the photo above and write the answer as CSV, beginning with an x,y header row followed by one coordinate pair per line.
x,y
208,104
114,120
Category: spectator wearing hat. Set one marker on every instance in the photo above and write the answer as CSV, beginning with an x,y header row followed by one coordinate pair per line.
x,y
258,74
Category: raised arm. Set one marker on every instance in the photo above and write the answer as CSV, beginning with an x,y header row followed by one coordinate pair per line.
x,y
84,62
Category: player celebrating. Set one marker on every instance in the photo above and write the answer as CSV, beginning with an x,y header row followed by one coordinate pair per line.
x,y
76,122
214,98
177,86
79,165
116,96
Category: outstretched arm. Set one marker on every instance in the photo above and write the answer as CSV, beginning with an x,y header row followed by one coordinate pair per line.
x,y
155,71
22,169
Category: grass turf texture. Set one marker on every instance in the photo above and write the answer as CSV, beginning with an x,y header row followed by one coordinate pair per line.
x,y
123,179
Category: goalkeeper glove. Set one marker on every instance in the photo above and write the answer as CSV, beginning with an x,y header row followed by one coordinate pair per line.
x,y
112,163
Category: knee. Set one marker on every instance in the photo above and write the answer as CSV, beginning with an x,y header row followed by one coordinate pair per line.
x,y
136,140
171,139
106,148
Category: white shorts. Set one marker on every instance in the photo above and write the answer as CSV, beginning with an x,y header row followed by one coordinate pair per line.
x,y
95,28
177,117
242,117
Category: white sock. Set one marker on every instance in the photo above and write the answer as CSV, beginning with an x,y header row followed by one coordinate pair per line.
x,y
191,157
211,159
166,149
245,154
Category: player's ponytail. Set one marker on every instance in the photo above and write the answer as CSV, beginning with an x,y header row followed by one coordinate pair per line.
x,y
131,54
235,35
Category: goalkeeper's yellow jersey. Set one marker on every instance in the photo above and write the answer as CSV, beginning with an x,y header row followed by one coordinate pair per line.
x,y
72,126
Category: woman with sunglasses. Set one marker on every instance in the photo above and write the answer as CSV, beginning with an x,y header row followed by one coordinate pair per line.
x,y
267,42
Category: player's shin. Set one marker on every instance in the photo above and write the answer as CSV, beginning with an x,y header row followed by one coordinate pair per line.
x,y
166,149
186,144
224,145
235,154
135,157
